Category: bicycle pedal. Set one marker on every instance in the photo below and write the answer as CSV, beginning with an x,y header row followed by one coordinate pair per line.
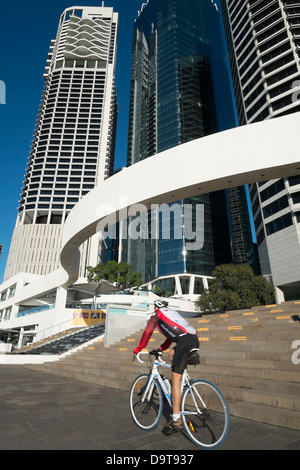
x,y
166,431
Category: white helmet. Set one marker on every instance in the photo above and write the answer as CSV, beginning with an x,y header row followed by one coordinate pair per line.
x,y
160,303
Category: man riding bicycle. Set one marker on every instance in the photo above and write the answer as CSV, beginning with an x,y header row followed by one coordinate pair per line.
x,y
178,330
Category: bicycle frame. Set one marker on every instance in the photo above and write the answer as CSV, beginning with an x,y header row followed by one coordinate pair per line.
x,y
206,426
185,381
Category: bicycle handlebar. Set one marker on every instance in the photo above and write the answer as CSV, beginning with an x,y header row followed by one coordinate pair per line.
x,y
138,356
157,356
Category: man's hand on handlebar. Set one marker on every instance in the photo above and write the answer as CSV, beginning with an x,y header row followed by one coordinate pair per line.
x,y
156,352
136,351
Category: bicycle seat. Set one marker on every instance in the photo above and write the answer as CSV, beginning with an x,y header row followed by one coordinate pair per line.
x,y
193,357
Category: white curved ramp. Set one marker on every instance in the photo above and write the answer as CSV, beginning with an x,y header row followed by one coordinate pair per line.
x,y
243,155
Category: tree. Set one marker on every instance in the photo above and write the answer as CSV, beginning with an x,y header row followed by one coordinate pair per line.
x,y
235,287
120,274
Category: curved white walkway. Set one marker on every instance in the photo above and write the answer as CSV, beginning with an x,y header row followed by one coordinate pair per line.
x,y
248,154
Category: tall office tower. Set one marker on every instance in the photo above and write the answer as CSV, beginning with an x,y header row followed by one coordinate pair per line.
x,y
264,45
73,144
180,91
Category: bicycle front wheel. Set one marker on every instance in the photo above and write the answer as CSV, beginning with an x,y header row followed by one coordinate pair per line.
x,y
205,414
146,402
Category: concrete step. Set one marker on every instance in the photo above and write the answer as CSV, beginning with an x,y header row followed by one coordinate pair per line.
x,y
209,355
241,378
281,401
259,368
249,364
235,380
262,317
256,368
266,414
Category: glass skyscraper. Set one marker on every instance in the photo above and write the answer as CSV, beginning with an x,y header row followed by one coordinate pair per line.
x,y
74,140
264,50
180,91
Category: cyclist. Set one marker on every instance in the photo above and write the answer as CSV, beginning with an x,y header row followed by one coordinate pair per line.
x,y
178,330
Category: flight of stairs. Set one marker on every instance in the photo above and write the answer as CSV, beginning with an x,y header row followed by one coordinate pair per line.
x,y
247,354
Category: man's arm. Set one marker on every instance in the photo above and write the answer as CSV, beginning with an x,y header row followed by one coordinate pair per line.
x,y
166,344
147,334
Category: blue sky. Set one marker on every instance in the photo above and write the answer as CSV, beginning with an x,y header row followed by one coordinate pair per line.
x,y
26,29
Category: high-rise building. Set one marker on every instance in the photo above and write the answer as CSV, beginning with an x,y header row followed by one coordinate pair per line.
x,y
74,140
264,49
180,91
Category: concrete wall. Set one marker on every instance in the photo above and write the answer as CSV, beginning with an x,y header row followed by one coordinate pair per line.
x,y
122,321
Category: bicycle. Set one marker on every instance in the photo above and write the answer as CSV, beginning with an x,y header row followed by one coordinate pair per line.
x,y
204,411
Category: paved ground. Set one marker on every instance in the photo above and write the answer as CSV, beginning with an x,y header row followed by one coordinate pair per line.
x,y
41,411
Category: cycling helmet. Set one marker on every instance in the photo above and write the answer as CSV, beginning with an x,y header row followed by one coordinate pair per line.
x,y
159,303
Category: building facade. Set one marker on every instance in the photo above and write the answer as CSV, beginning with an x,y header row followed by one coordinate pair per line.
x,y
74,140
264,46
180,91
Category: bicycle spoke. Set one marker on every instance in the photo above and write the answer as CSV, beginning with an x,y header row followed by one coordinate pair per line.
x,y
208,425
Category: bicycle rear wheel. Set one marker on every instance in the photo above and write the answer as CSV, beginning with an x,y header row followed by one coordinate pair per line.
x,y
146,402
205,414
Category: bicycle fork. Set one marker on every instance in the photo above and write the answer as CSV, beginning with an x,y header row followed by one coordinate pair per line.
x,y
150,386
147,394
149,391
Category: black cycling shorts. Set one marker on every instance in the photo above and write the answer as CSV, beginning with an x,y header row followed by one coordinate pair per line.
x,y
182,349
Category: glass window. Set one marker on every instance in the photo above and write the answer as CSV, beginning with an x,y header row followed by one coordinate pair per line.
x,y
198,288
3,296
79,63
279,224
68,14
59,64
78,13
272,190
276,206
294,180
296,198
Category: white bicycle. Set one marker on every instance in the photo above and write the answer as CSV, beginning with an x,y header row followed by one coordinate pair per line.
x,y
204,411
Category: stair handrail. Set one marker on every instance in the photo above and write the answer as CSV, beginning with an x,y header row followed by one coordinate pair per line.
x,y
57,326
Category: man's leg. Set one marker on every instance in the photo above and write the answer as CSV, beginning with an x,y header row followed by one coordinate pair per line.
x,y
179,357
175,423
176,392
176,387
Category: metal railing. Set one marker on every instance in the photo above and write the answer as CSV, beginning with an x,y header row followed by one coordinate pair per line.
x,y
35,310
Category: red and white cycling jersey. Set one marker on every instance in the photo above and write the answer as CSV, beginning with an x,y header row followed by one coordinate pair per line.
x,y
170,323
